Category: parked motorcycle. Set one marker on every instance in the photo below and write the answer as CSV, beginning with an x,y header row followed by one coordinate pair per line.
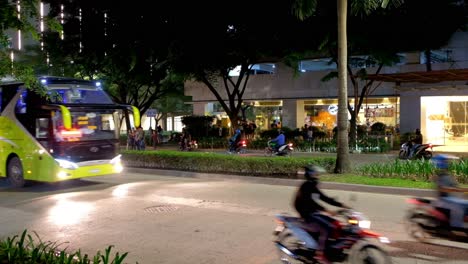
x,y
421,151
284,150
351,240
239,148
424,221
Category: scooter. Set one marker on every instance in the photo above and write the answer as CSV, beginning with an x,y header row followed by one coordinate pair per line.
x,y
422,151
185,145
351,240
284,150
239,148
424,221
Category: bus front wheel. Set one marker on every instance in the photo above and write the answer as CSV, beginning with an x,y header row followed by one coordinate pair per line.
x,y
15,172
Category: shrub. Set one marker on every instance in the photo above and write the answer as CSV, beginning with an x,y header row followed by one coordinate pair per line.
x,y
282,167
25,250
378,128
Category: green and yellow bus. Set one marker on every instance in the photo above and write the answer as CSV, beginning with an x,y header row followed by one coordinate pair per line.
x,y
71,133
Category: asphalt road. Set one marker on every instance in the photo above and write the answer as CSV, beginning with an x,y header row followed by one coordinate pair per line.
x,y
159,218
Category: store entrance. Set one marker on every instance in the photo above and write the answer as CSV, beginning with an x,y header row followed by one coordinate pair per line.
x,y
444,121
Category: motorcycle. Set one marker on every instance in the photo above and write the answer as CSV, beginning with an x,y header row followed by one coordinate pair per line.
x,y
351,240
284,150
185,145
239,148
425,220
422,151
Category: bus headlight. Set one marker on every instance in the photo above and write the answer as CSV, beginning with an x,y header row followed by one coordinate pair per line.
x,y
62,175
117,164
66,164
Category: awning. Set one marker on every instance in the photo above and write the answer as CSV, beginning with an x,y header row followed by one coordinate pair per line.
x,y
422,77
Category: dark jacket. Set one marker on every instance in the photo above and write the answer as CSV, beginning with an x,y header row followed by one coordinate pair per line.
x,y
306,200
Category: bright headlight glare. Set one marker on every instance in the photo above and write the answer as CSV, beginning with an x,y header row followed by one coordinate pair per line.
x,y
365,224
384,240
66,164
116,159
61,175
118,167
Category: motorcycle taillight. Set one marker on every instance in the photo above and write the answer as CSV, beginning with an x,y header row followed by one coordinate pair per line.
x,y
335,233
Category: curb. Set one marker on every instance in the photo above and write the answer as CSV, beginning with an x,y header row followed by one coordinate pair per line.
x,y
286,182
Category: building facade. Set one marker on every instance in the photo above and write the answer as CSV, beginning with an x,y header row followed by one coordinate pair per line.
x,y
438,106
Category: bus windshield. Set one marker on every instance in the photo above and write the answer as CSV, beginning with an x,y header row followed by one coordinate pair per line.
x,y
91,125
77,94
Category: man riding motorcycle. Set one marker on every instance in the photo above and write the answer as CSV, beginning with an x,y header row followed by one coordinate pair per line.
x,y
279,141
234,140
306,204
446,187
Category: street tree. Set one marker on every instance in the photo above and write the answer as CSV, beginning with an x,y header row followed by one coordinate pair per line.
x,y
16,17
305,9
111,41
174,102
211,40
377,39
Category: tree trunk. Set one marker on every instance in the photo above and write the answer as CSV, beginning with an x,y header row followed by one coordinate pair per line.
x,y
353,131
342,156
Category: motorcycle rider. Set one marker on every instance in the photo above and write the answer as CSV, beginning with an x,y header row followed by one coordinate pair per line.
x,y
446,187
234,140
307,205
279,141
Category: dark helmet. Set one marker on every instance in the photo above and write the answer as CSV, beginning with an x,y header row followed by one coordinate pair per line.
x,y
312,171
238,131
442,161
281,131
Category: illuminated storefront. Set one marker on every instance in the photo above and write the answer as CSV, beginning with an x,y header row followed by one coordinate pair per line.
x,y
322,112
444,120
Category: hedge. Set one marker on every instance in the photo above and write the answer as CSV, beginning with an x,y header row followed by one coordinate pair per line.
x,y
281,167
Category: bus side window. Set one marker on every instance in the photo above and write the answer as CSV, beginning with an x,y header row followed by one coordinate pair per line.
x,y
42,128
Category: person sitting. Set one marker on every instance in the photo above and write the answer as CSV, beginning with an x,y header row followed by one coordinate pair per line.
x,y
446,189
279,141
307,204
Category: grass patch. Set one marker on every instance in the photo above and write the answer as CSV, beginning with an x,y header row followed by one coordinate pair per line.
x,y
367,180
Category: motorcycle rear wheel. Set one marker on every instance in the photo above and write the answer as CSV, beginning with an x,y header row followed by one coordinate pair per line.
x,y
415,230
369,254
427,155
402,154
289,241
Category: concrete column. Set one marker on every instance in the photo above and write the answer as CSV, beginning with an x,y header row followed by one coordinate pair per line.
x,y
199,108
293,113
410,112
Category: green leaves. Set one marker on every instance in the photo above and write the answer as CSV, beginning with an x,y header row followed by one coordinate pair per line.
x,y
23,249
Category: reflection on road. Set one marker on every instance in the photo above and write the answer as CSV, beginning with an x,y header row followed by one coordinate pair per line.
x,y
68,212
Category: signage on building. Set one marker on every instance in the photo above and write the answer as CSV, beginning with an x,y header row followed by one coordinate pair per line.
x,y
333,109
151,112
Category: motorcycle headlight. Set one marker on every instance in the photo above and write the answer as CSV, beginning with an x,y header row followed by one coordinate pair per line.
x,y
365,224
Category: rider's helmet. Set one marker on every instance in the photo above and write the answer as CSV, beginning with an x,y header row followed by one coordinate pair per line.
x,y
312,171
238,131
442,161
